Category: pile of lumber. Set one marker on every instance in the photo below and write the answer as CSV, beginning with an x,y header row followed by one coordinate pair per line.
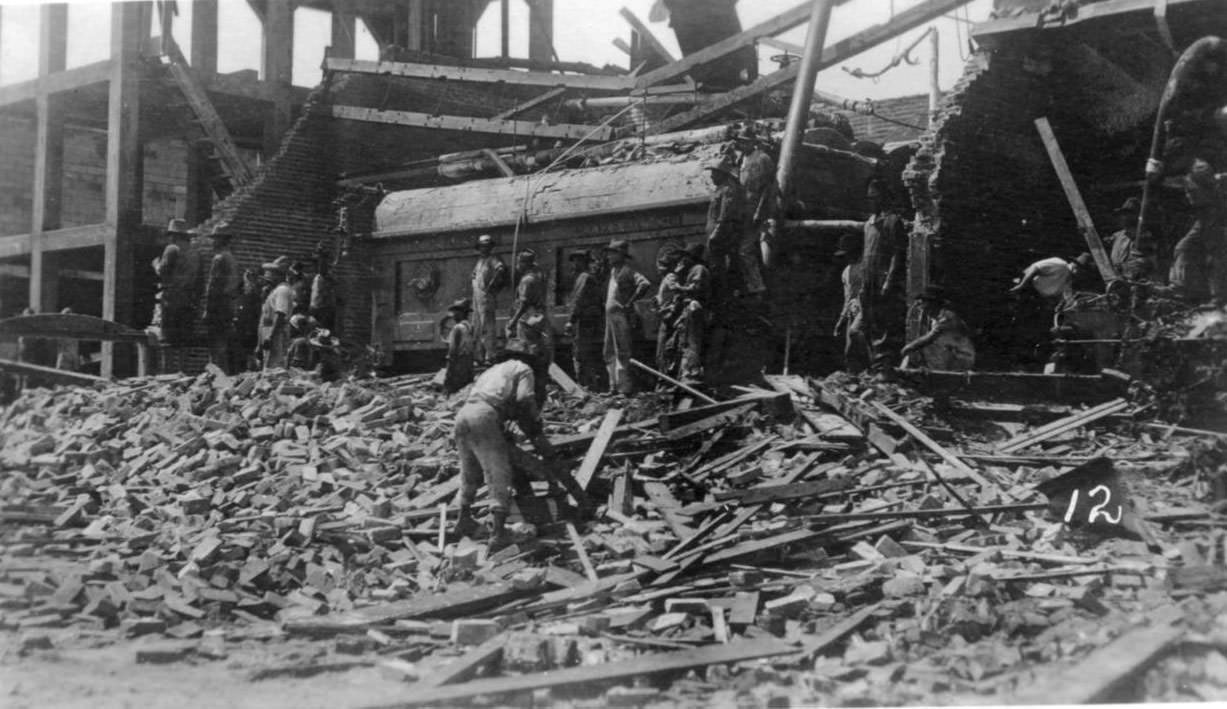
x,y
834,538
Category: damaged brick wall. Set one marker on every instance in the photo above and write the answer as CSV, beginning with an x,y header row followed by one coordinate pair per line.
x,y
288,210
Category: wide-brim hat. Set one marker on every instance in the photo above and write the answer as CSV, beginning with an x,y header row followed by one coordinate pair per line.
x,y
848,243
281,264
462,305
1133,205
621,246
179,227
323,338
485,240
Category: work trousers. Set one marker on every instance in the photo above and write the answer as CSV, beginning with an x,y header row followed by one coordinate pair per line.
x,y
587,356
618,351
748,262
459,373
666,348
483,455
691,328
483,327
277,354
883,324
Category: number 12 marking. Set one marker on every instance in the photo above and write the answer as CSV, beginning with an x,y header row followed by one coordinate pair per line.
x,y
1097,510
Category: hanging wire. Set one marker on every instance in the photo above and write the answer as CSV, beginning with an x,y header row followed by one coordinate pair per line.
x,y
899,58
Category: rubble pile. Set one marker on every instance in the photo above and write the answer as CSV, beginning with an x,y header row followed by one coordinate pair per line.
x,y
832,541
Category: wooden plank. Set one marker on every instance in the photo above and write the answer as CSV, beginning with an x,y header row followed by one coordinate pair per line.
x,y
644,665
842,517
777,403
1083,215
573,443
668,505
210,122
582,553
564,380
710,423
592,459
744,609
1062,425
464,667
815,644
953,460
904,21
63,376
479,74
779,493
1101,674
530,103
455,602
472,124
59,82
69,325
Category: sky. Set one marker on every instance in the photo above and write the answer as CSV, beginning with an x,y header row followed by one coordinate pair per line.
x,y
584,32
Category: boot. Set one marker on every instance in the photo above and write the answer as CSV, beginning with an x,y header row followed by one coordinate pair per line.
x,y
466,526
500,538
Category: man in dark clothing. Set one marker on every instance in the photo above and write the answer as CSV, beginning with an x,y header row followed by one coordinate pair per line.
x,y
725,214
883,268
247,321
459,347
667,310
1132,258
178,271
757,177
324,293
530,321
694,295
221,291
586,326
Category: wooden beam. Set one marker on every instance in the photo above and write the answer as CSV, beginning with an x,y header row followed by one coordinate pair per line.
x,y
68,80
48,186
124,169
530,103
849,47
592,459
642,666
344,27
1081,213
464,667
472,124
63,376
646,35
278,65
1109,669
541,31
204,36
481,75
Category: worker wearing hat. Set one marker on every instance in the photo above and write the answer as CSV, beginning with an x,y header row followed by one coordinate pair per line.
x,y
504,392
668,308
1199,267
694,296
178,271
586,325
626,287
725,212
883,268
274,340
459,341
946,344
530,318
489,278
222,289
856,348
759,197
301,354
1129,252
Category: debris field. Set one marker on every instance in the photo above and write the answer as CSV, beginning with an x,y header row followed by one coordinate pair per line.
x,y
834,541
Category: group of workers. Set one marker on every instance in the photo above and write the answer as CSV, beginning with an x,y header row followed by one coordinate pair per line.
x,y
283,317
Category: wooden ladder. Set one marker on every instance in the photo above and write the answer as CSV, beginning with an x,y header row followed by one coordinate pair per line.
x,y
226,154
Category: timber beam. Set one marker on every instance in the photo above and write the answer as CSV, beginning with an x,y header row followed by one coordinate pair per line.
x,y
77,237
472,124
477,74
79,77
849,47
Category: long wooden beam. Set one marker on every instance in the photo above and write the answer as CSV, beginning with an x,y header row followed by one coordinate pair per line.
x,y
58,375
648,38
478,74
473,124
96,73
844,49
77,237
